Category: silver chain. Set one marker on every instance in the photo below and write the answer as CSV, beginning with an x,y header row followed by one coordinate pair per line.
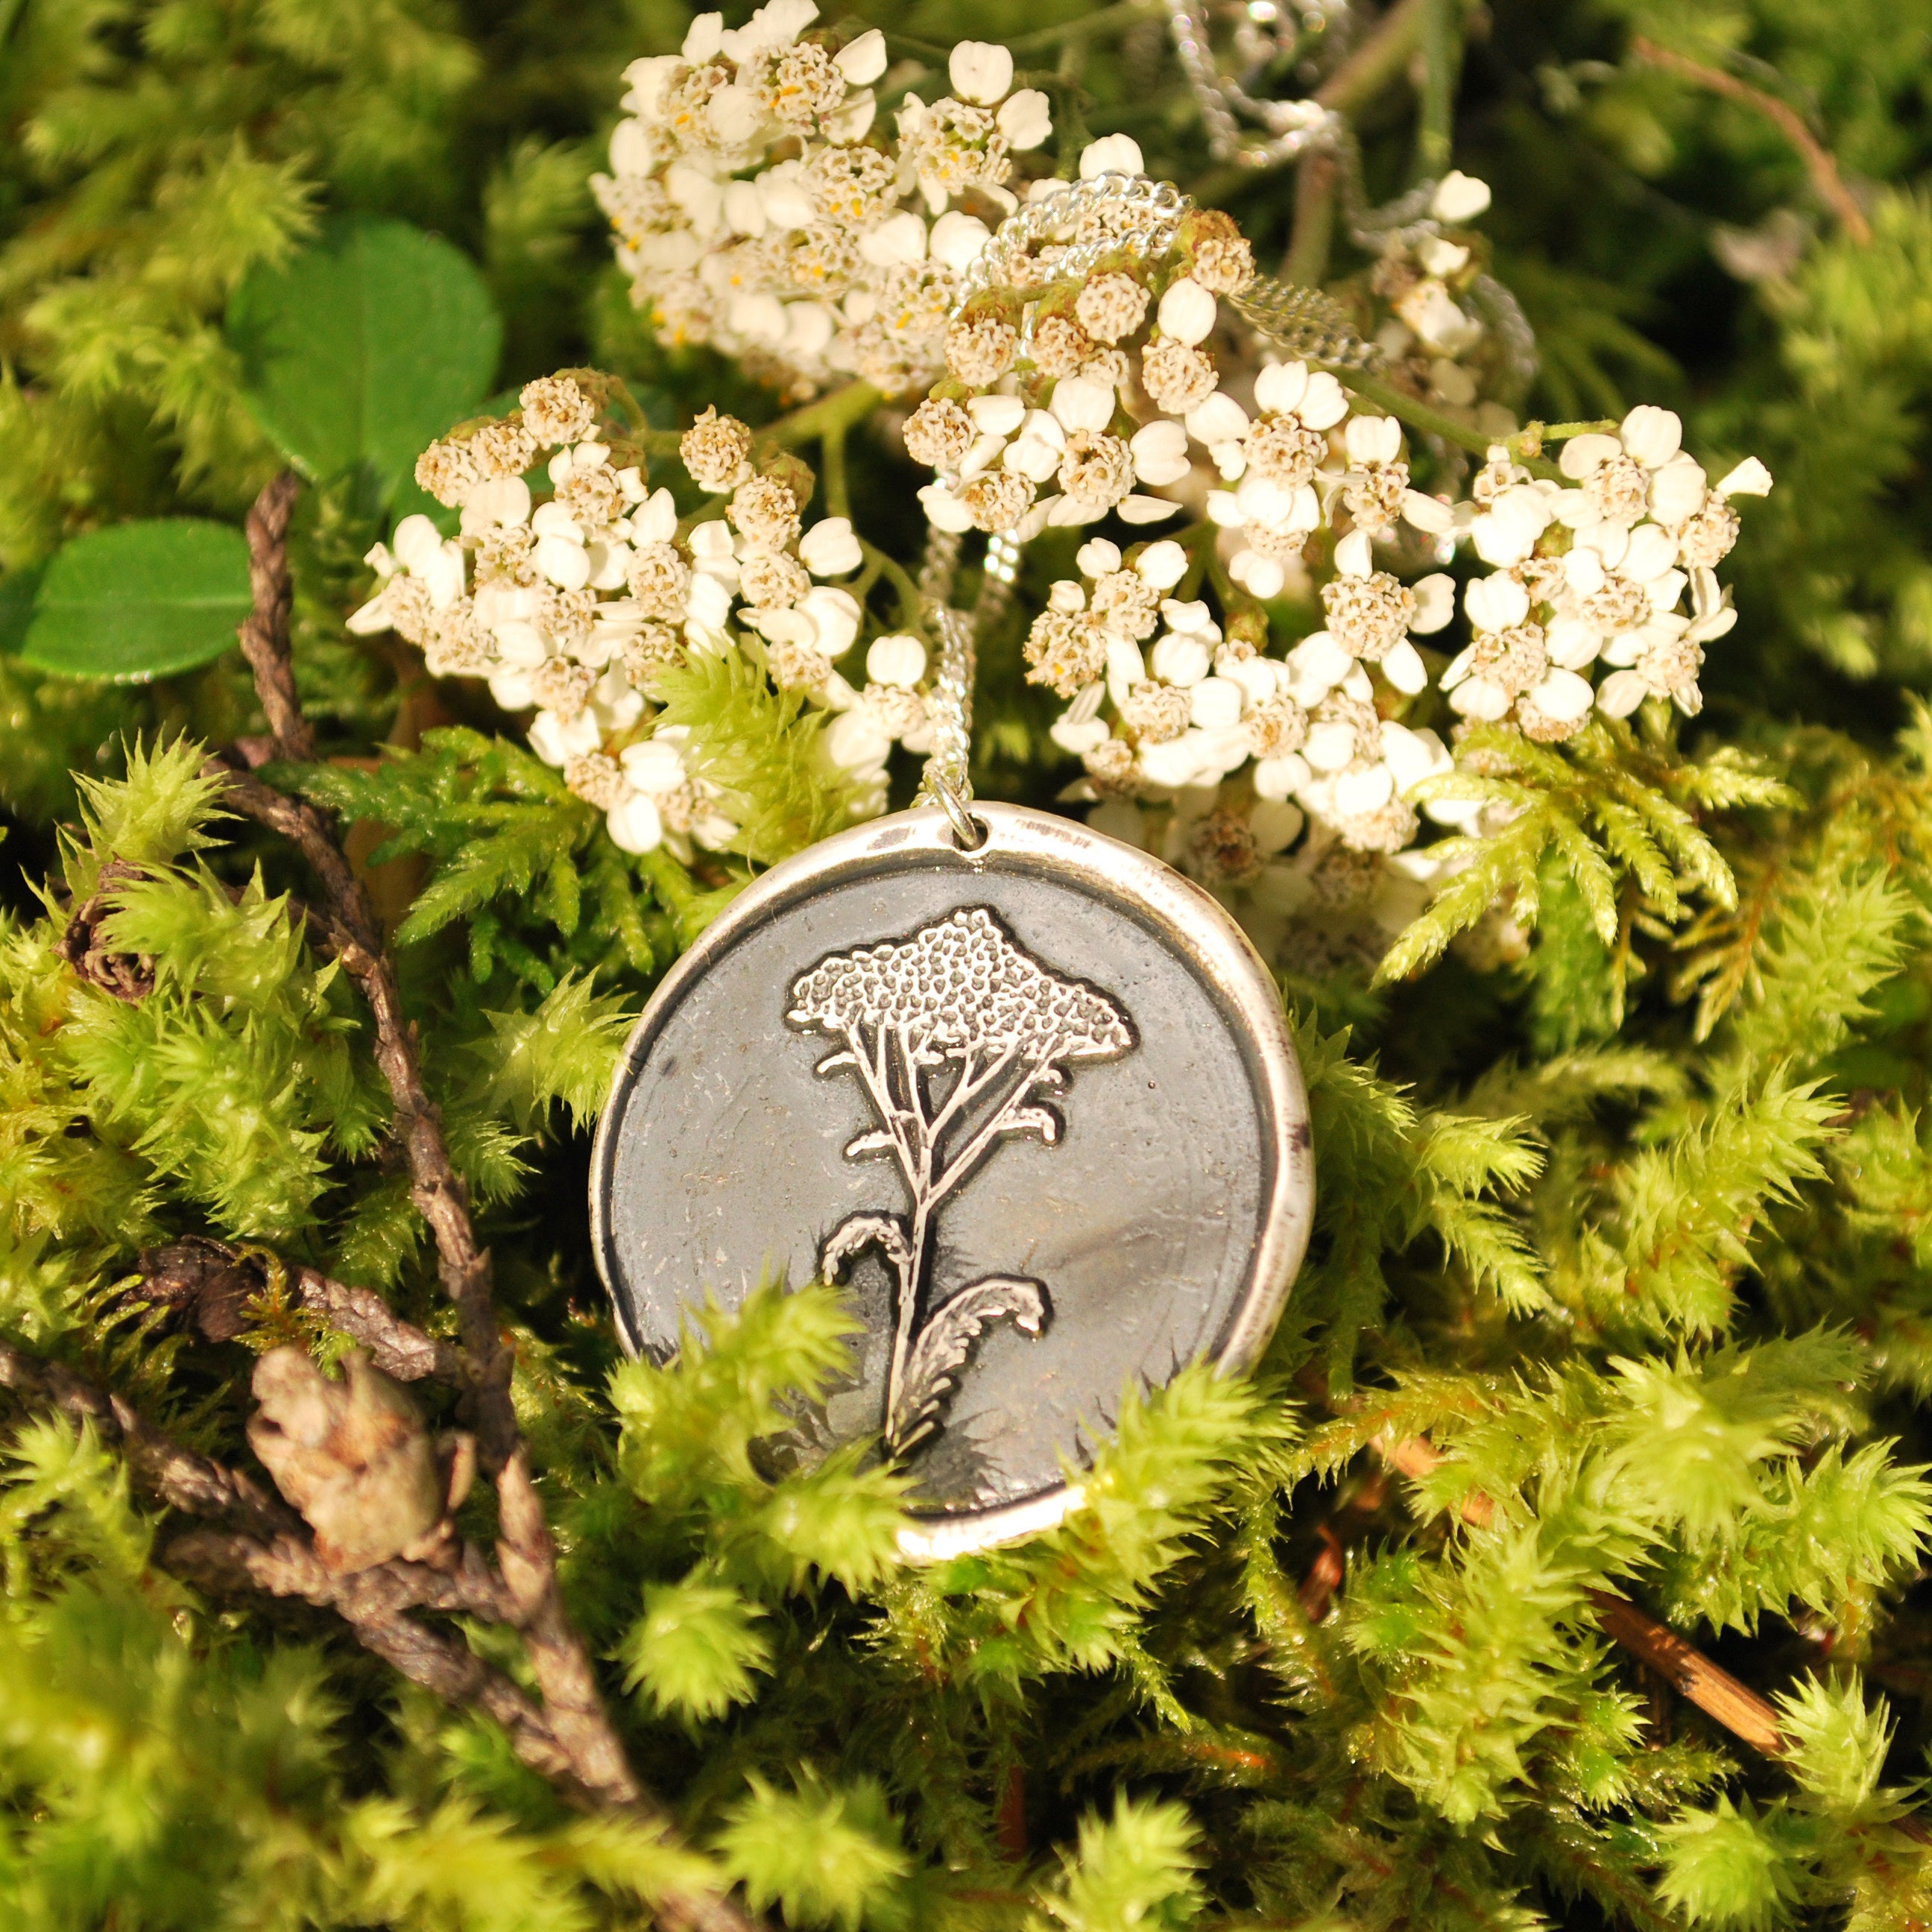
x,y
1293,127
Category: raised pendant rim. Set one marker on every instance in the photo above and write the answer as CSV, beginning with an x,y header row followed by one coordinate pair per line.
x,y
1189,920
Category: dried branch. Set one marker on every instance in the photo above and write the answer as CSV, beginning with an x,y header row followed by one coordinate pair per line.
x,y
1820,162
265,630
375,1603
1747,1716
181,1477
397,1347
1690,1673
350,929
212,1285
574,1714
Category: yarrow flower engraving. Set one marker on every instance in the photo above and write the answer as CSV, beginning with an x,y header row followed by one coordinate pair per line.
x,y
960,998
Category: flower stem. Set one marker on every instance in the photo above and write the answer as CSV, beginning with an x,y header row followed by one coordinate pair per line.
x,y
1115,20
1419,416
838,497
837,411
1442,49
1307,259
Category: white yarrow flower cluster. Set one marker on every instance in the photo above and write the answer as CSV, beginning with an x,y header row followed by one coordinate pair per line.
x,y
1598,573
572,607
1071,399
760,207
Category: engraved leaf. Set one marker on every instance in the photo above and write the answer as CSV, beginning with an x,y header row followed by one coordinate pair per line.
x,y
1041,1120
947,1340
833,1062
877,1140
858,1232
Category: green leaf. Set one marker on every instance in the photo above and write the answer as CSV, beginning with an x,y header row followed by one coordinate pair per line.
x,y
366,347
140,600
18,590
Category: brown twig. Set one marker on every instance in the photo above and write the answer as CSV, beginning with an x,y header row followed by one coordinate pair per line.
x,y
397,1347
1735,1705
573,1710
265,630
349,926
1820,162
183,1479
1690,1673
375,1603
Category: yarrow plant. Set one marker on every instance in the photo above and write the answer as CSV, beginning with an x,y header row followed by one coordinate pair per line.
x,y
838,253
577,603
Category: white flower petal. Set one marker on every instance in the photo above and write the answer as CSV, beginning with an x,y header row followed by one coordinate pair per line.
x,y
1187,311
1750,478
981,71
1160,452
1429,515
1281,386
1496,603
1026,120
1097,557
1353,555
1162,564
635,824
1081,402
1459,197
996,416
1276,779
899,238
1403,666
567,565
1115,155
862,61
897,659
956,240
1144,510
1564,695
1620,693
1182,660
1262,577
1435,603
1651,435
1219,419
1582,455
944,511
830,549
1368,789
1324,403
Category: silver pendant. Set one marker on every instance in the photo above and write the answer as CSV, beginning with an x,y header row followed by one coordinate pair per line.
x,y
1035,1102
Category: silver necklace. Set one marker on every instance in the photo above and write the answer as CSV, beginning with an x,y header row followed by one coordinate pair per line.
x,y
1029,1093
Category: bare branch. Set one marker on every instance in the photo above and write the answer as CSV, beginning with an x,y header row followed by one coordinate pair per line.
x,y
265,630
181,1477
575,1717
1820,162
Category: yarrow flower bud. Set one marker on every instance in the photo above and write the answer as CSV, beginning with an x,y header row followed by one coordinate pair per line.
x,y
980,349
714,450
1111,306
938,434
765,513
1178,378
556,410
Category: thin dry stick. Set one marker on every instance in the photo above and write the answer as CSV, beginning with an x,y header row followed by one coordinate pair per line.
x,y
184,1480
1820,162
265,630
1715,1691
574,1708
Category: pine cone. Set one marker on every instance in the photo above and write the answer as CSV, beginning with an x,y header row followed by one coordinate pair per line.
x,y
353,1456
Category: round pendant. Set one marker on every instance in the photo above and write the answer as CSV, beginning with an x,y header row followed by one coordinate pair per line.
x,y
1036,1103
